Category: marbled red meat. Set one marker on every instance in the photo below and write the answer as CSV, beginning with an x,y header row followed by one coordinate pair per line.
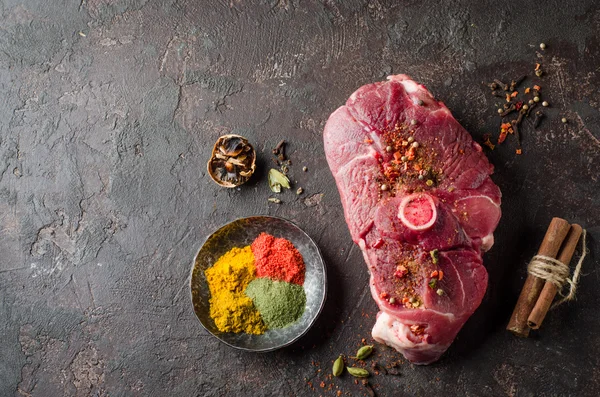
x,y
419,202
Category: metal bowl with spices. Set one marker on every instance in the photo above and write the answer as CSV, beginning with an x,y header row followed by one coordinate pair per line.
x,y
240,233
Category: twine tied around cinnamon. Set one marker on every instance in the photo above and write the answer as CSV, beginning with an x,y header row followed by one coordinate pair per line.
x,y
557,273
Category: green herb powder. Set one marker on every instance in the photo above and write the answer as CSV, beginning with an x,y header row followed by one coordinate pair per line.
x,y
278,302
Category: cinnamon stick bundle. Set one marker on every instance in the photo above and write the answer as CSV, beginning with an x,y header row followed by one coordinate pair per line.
x,y
549,291
555,235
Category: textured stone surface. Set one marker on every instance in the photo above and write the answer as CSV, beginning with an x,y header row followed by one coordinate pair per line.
x,y
110,108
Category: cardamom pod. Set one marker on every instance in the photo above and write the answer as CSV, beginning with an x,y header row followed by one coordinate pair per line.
x,y
358,372
338,366
364,352
277,180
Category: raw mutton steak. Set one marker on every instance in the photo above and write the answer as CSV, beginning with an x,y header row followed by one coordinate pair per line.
x,y
419,202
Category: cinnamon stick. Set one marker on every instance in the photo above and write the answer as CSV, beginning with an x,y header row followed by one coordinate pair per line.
x,y
549,291
555,235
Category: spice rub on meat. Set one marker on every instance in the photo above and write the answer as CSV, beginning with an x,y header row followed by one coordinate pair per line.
x,y
419,202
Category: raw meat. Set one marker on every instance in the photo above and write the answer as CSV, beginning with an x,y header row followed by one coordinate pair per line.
x,y
419,202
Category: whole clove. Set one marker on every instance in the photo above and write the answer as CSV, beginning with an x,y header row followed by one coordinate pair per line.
x,y
497,94
515,83
501,84
278,147
515,127
520,118
279,150
530,109
538,118
511,108
493,86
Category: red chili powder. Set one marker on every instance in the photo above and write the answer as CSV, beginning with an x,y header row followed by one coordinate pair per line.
x,y
278,259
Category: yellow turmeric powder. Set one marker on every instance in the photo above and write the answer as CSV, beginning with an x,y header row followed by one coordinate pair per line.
x,y
227,279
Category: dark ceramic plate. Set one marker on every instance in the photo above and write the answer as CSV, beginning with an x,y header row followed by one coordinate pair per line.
x,y
240,233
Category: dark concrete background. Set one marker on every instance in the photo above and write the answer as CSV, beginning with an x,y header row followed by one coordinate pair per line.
x,y
108,112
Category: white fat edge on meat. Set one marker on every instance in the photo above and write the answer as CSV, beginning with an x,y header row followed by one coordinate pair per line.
x,y
487,242
392,332
418,91
410,86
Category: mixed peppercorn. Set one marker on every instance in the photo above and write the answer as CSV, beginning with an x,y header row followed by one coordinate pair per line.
x,y
409,160
408,275
522,103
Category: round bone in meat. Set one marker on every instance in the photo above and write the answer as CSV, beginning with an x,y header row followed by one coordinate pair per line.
x,y
417,211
